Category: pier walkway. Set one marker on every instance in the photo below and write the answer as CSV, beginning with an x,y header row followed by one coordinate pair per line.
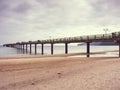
x,y
112,37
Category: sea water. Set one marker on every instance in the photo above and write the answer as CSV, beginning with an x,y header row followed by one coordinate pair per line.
x,y
60,49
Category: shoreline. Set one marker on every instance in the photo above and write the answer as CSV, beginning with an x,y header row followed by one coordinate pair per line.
x,y
69,54
54,55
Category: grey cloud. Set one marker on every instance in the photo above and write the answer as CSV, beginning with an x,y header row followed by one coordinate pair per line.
x,y
48,3
10,8
3,5
105,12
22,8
106,7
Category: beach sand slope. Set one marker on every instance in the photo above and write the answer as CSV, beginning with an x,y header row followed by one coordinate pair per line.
x,y
59,73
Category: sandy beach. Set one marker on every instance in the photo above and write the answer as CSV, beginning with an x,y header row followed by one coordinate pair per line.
x,y
59,72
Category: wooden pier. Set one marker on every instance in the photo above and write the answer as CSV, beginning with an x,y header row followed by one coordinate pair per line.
x,y
112,37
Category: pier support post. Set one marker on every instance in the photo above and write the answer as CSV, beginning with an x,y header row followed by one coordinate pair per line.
x,y
19,46
30,48
66,48
26,48
42,48
51,48
23,48
35,48
88,49
14,45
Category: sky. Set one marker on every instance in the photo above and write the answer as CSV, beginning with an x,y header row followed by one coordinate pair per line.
x,y
26,20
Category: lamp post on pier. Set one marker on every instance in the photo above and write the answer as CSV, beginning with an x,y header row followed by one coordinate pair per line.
x,y
106,30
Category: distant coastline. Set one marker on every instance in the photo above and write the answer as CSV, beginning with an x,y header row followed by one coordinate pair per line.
x,y
99,44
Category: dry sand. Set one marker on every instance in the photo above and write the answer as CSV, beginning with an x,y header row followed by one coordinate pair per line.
x,y
59,72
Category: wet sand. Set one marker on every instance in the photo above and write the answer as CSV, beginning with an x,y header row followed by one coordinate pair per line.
x,y
59,72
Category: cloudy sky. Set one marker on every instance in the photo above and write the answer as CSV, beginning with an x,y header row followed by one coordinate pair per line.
x,y
24,20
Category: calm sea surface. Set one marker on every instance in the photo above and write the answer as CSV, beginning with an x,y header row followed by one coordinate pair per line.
x,y
6,51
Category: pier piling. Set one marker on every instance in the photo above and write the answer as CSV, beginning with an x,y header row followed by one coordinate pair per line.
x,y
35,48
26,48
88,49
51,48
66,48
23,48
30,48
42,49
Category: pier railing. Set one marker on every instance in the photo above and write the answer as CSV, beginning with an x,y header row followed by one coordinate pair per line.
x,y
91,38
